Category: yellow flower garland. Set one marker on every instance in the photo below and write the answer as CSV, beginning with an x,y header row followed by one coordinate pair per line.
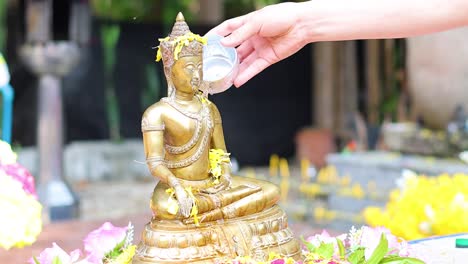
x,y
179,43
173,206
217,157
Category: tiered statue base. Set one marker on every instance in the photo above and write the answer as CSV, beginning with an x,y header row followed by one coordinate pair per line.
x,y
218,242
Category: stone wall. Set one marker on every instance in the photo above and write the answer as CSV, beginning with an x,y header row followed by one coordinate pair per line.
x,y
86,161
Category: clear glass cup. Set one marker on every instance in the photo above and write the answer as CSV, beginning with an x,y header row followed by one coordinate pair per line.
x,y
220,66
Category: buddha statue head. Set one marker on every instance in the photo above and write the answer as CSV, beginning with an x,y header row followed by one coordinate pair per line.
x,y
181,53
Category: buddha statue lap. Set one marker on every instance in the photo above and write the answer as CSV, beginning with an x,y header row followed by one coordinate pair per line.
x,y
201,213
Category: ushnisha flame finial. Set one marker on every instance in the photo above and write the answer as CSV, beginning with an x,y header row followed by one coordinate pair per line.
x,y
180,42
180,17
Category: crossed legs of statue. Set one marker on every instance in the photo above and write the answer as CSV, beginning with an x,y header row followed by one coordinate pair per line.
x,y
245,197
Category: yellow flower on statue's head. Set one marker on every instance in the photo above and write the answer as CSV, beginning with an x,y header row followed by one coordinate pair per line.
x,y
7,156
180,42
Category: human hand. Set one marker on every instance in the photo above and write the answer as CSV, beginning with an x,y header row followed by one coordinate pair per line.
x,y
263,37
184,200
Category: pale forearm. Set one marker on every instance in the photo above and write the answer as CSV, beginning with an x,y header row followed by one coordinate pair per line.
x,y
330,20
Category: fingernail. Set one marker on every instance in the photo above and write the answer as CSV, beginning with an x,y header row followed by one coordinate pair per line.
x,y
226,40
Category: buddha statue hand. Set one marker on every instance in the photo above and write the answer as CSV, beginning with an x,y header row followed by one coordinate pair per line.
x,y
184,199
224,183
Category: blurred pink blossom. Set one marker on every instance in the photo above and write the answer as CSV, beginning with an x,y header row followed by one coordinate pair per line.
x,y
370,238
49,254
102,241
21,174
277,261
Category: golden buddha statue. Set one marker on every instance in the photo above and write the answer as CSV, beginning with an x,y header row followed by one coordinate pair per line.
x,y
201,213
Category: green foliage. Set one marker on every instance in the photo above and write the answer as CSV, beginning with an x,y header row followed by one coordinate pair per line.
x,y
36,261
56,260
143,10
153,88
379,252
233,8
114,253
356,254
357,257
341,248
125,10
308,245
109,36
171,8
3,27
389,106
400,260
325,250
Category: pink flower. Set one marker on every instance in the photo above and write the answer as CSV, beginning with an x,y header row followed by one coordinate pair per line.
x,y
317,239
370,238
277,261
325,237
102,241
21,174
48,255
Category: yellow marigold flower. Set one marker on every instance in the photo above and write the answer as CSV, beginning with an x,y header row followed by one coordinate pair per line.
x,y
426,206
179,43
217,157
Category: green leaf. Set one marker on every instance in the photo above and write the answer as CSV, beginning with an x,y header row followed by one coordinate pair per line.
x,y
56,260
400,260
114,253
325,250
341,248
379,252
357,257
36,261
308,245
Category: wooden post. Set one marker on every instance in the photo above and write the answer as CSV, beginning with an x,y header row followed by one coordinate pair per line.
x,y
38,21
324,84
80,22
211,12
389,66
347,87
373,80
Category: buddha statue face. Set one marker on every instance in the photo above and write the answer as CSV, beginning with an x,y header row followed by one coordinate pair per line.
x,y
181,53
187,74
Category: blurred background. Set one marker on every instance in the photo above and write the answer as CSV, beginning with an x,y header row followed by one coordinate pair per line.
x,y
334,124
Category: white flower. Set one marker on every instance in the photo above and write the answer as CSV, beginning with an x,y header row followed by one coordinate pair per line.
x,y
7,156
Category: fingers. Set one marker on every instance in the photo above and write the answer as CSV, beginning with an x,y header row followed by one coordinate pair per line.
x,y
228,26
186,207
248,29
251,67
244,50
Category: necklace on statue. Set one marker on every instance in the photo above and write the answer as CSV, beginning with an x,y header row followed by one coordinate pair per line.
x,y
177,106
201,117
